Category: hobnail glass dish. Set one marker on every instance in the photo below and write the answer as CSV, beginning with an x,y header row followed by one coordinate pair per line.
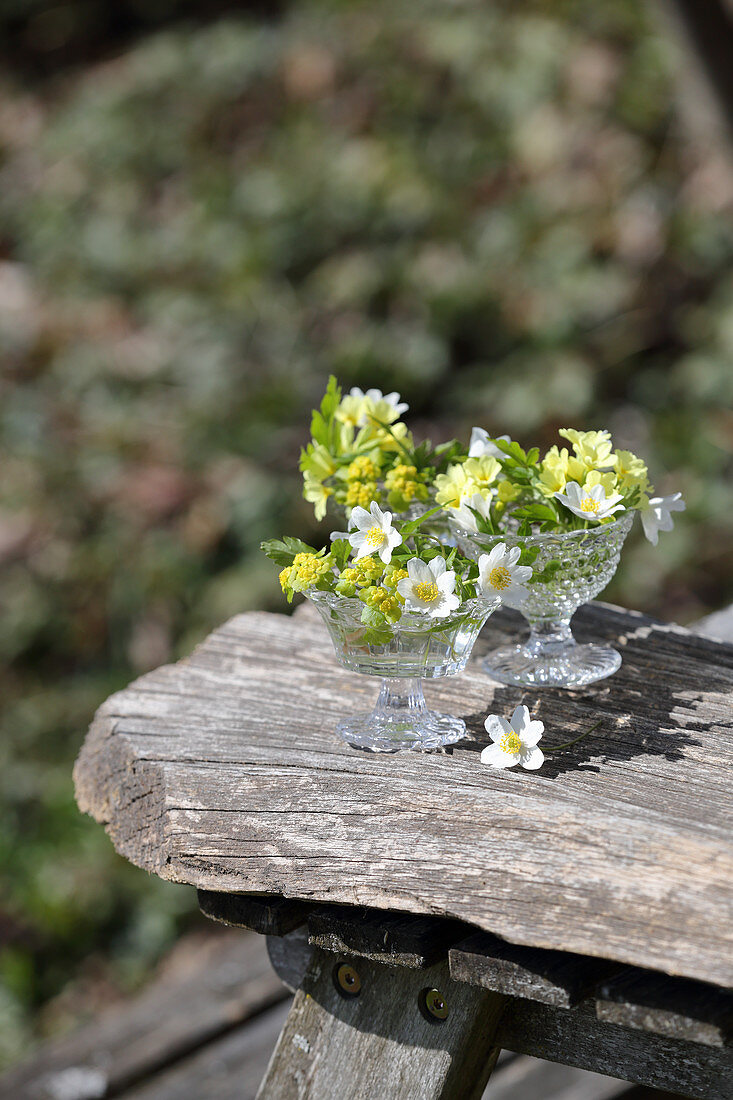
x,y
418,648
551,657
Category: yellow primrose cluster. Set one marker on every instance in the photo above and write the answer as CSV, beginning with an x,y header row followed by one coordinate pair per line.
x,y
366,571
593,462
389,603
305,572
464,479
365,425
403,485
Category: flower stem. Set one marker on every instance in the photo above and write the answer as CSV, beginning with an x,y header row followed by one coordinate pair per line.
x,y
400,444
556,748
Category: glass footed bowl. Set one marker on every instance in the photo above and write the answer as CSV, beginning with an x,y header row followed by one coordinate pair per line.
x,y
418,648
551,657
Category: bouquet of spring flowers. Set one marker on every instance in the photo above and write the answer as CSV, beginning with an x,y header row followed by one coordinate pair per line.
x,y
569,489
361,451
393,571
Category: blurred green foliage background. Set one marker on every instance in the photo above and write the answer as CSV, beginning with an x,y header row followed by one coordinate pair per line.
x,y
492,208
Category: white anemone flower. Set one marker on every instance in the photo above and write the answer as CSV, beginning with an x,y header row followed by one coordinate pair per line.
x,y
658,516
514,742
384,406
500,575
481,444
374,533
479,502
592,504
429,587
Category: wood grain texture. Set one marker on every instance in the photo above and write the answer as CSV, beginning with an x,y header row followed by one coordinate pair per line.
x,y
677,1007
575,1037
401,939
224,771
552,977
379,1043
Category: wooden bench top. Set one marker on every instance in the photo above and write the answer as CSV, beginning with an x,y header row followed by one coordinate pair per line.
x,y
223,771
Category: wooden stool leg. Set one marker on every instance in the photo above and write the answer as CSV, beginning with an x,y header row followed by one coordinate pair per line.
x,y
360,1029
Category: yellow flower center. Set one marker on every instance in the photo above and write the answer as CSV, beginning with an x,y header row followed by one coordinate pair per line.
x,y
500,577
588,504
375,536
426,591
510,742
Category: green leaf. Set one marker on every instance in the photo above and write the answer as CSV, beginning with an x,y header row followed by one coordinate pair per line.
x,y
378,631
408,529
545,574
282,551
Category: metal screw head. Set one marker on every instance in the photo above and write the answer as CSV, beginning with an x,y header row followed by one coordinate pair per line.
x,y
435,1004
347,980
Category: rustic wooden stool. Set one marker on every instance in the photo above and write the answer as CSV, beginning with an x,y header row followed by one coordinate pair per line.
x,y
429,909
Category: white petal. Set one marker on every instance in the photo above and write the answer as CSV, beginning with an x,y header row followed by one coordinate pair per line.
x,y
597,492
515,595
421,572
414,570
512,557
496,726
493,755
521,573
378,515
360,517
437,567
446,582
532,760
357,538
651,529
404,587
496,556
394,538
532,733
385,553
520,719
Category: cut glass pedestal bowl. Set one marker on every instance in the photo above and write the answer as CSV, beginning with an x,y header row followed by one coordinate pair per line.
x,y
418,648
551,657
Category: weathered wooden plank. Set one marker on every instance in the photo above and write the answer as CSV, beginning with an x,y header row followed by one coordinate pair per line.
x,y
224,771
377,1036
267,914
229,1069
576,1037
402,939
212,985
552,977
677,1007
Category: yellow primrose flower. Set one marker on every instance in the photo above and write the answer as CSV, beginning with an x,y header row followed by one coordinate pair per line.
x,y
453,486
506,492
605,478
557,468
397,438
592,448
483,470
317,494
316,460
630,471
358,408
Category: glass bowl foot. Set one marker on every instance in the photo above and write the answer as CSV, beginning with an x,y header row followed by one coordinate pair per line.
x,y
564,666
421,732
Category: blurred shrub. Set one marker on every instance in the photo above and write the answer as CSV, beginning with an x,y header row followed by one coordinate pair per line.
x,y
490,208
